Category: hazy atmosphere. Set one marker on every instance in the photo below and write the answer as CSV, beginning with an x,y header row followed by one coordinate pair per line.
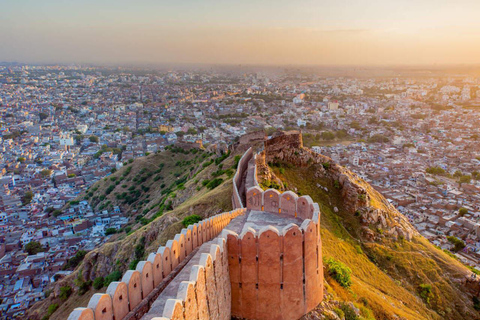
x,y
324,32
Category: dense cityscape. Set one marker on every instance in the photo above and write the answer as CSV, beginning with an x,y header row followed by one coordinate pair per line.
x,y
63,128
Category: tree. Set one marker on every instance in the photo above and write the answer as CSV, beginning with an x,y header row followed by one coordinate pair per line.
x,y
457,174
93,139
75,260
465,179
436,171
57,213
378,138
45,173
476,175
27,197
33,247
110,231
43,116
327,135
341,134
463,211
457,243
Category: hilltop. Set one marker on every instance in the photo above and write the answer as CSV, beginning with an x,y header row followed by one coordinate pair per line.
x,y
393,272
157,192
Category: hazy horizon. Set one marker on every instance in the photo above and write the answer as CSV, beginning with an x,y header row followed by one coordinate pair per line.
x,y
305,32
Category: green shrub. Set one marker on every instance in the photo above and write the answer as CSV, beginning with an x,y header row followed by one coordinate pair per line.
x,y
83,286
98,283
65,292
110,231
114,276
133,264
51,309
191,220
339,312
214,183
425,292
339,271
476,303
349,312
34,247
458,244
75,260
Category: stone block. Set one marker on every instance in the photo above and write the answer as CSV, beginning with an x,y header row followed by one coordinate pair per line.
x,y
146,270
174,252
269,274
118,291
81,314
173,309
101,304
305,207
207,262
186,293
288,203
166,260
271,201
134,287
197,275
254,198
180,238
293,300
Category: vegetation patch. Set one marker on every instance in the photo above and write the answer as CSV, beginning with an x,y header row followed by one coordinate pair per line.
x,y
339,271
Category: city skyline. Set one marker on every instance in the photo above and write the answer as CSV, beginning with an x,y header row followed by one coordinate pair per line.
x,y
263,32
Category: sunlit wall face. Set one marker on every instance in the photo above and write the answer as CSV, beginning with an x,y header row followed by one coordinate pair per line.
x,y
325,32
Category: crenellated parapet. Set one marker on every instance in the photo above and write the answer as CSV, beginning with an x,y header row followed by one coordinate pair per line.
x,y
263,260
123,299
276,270
287,203
206,292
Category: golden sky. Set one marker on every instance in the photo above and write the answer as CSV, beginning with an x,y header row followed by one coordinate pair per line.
x,y
303,32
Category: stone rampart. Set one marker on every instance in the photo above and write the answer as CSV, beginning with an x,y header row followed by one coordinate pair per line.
x,y
124,299
201,291
287,203
277,273
242,167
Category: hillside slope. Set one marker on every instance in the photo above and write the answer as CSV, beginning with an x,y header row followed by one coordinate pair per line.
x,y
156,208
390,275
395,272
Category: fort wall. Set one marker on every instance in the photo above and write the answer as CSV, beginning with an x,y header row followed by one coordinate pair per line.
x,y
242,167
277,273
265,267
132,297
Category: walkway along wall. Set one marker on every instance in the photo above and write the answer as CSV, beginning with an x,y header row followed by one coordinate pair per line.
x,y
242,167
122,298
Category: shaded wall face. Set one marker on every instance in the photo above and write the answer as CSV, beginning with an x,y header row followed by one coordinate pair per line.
x,y
276,275
242,167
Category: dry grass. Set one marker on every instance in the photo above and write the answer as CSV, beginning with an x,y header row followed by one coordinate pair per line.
x,y
388,273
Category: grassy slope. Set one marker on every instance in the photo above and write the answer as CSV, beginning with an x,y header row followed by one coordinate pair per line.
x,y
120,250
387,274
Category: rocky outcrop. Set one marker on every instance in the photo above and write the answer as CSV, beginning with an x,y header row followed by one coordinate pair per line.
x,y
358,197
